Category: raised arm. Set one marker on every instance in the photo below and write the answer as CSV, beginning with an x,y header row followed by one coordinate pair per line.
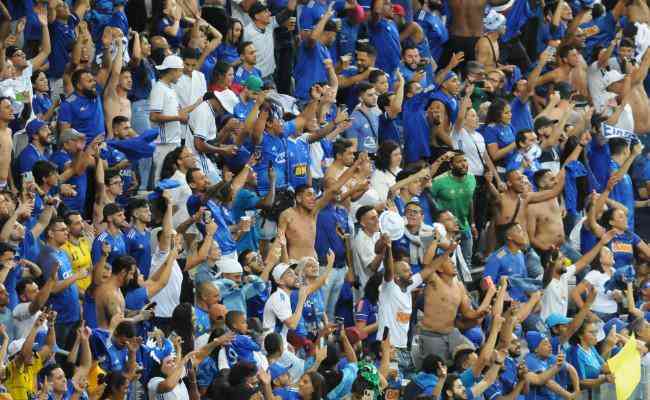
x,y
46,46
44,293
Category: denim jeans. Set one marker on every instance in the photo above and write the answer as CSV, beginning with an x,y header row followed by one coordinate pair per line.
x,y
140,123
332,290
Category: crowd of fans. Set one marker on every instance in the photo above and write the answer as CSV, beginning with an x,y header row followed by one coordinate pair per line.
x,y
331,199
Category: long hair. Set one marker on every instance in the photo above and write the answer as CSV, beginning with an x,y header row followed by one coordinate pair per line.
x,y
382,162
181,323
371,290
169,163
495,111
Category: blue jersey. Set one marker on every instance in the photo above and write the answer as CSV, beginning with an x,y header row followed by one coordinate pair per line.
x,y
299,159
273,151
174,41
62,160
65,302
435,31
309,67
384,36
113,157
330,223
202,325
63,37
41,103
504,263
622,246
138,245
311,13
522,118
312,313
246,201
83,114
242,74
623,192
502,135
537,365
28,158
364,129
117,242
221,216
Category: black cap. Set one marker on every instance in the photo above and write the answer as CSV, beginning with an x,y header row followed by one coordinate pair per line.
x,y
544,121
256,9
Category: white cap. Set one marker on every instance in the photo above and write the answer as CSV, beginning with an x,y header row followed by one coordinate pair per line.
x,y
228,99
229,266
392,224
493,21
170,62
15,347
280,269
612,76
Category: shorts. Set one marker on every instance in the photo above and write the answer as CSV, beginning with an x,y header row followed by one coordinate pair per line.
x,y
441,344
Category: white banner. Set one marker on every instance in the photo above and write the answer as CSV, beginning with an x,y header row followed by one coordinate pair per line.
x,y
609,131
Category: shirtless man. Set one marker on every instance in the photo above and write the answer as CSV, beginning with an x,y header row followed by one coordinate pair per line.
x,y
466,28
299,222
444,298
513,203
544,220
571,68
6,142
118,86
631,88
109,300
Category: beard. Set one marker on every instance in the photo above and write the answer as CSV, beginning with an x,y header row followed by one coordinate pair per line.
x,y
458,172
89,93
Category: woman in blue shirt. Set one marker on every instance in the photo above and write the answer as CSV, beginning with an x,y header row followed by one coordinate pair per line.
x,y
42,103
228,49
365,315
498,134
588,362
625,243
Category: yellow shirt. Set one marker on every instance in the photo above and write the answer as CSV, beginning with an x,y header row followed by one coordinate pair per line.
x,y
80,257
21,383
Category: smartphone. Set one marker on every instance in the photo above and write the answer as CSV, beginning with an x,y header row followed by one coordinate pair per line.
x,y
385,335
339,325
62,97
151,306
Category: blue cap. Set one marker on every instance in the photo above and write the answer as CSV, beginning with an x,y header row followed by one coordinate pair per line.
x,y
34,126
163,184
646,285
534,338
476,336
557,319
276,370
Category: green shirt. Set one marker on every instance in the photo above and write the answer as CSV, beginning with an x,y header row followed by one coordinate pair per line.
x,y
455,195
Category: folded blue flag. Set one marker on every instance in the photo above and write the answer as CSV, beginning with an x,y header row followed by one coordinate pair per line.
x,y
137,147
